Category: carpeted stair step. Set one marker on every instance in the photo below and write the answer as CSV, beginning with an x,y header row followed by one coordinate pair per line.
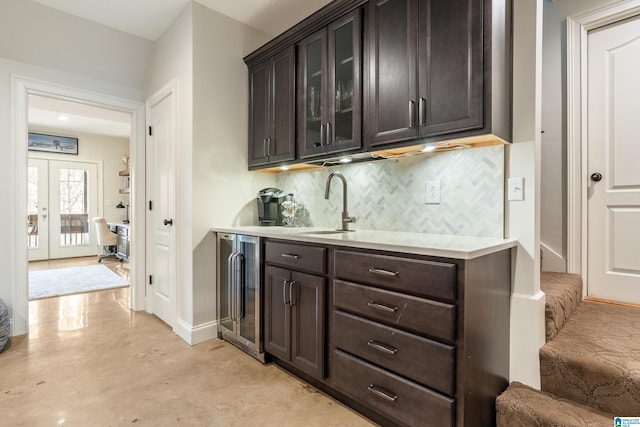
x,y
595,359
563,296
523,406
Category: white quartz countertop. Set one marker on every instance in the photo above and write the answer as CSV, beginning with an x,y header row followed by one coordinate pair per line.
x,y
441,245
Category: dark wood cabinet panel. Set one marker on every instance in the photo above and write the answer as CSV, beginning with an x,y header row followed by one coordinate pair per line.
x,y
426,69
422,316
307,326
406,402
450,66
422,360
295,306
424,278
277,315
393,82
329,85
304,258
272,110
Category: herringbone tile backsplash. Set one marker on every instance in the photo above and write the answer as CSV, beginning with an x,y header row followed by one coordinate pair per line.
x,y
390,194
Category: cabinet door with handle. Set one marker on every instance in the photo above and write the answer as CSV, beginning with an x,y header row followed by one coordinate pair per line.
x,y
307,323
392,71
272,109
277,312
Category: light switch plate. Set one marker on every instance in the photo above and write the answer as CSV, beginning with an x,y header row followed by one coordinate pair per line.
x,y
433,192
516,188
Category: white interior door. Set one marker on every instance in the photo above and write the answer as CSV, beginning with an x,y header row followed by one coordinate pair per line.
x,y
161,254
37,209
613,270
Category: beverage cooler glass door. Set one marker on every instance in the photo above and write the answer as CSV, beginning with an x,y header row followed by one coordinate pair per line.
x,y
238,291
248,265
226,243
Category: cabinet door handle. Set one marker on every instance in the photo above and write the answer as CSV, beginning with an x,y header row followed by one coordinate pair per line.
x,y
391,397
291,293
385,348
328,136
422,111
322,135
269,146
381,272
284,292
264,147
412,114
230,285
382,307
294,256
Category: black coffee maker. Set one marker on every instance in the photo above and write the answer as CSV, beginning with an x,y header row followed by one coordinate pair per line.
x,y
270,206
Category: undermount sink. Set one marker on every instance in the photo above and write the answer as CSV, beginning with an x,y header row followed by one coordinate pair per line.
x,y
326,232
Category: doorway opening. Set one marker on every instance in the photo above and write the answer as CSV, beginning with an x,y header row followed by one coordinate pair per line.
x,y
24,91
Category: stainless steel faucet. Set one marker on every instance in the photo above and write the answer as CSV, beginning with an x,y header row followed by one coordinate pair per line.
x,y
346,219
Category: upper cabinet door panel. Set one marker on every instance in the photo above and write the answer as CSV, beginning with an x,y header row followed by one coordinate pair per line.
x,y
282,144
392,70
259,105
312,81
345,83
450,66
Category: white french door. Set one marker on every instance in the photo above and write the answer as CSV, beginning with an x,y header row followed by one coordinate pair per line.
x,y
62,200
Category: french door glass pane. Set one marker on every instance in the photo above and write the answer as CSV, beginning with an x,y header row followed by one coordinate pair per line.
x,y
32,208
74,208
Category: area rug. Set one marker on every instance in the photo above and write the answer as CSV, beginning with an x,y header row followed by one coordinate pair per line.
x,y
65,281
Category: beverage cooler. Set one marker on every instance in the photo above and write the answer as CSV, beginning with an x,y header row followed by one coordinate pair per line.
x,y
238,292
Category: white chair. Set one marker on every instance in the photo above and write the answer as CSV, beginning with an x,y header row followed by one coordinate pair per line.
x,y
107,241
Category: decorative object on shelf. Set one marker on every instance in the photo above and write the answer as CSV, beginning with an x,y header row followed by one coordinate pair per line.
x,y
53,143
124,206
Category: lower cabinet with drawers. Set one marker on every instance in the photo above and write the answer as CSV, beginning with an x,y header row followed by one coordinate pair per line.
x,y
408,340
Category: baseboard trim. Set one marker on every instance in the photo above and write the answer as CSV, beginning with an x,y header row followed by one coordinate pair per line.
x,y
196,334
612,302
551,260
527,336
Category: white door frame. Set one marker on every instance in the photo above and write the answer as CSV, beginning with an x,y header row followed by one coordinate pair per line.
x,y
578,27
21,88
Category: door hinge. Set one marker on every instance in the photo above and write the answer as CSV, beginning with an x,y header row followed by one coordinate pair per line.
x,y
150,279
150,205
150,131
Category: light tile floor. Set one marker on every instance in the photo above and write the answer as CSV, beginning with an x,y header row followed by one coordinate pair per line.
x,y
90,361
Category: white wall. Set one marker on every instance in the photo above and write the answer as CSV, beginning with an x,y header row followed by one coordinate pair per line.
x,y
553,210
106,150
36,34
223,189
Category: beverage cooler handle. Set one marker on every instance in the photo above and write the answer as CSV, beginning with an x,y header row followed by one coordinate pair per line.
x,y
240,303
230,284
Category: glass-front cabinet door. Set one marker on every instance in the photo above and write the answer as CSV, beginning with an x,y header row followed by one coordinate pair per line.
x,y
329,87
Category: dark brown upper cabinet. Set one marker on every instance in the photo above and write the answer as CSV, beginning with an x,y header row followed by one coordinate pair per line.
x,y
430,70
329,99
272,110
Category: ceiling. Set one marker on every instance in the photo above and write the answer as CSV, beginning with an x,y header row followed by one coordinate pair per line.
x,y
149,19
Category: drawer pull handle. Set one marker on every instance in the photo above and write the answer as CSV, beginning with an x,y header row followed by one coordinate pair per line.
x,y
294,256
382,307
381,272
382,347
391,397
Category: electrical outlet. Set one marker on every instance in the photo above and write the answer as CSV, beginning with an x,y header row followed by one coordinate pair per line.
x,y
433,192
516,188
